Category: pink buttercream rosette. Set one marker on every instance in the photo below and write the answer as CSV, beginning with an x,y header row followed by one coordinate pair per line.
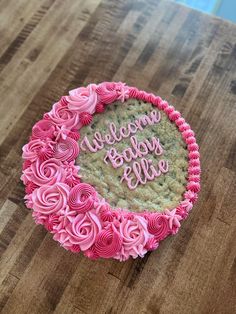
x,y
72,210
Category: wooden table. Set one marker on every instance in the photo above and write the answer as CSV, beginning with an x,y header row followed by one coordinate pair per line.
x,y
48,47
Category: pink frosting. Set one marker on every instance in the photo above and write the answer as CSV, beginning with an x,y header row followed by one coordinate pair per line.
x,y
50,199
83,230
152,244
83,99
30,187
72,175
62,115
110,91
74,134
158,225
42,149
135,235
108,242
91,253
73,211
182,212
107,214
66,150
191,196
82,197
186,204
26,164
51,222
174,220
43,129
45,173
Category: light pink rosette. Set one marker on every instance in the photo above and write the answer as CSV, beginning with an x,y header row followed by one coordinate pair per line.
x,y
62,115
43,129
135,235
82,197
108,242
38,149
83,99
83,231
46,173
158,225
50,199
66,150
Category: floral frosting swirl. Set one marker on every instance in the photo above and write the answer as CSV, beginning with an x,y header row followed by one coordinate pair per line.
x,y
62,115
82,231
83,99
135,235
158,225
50,199
45,173
72,210
82,197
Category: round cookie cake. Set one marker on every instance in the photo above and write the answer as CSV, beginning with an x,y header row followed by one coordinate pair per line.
x,y
111,171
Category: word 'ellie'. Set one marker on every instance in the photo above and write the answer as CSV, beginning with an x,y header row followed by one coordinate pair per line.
x,y
143,171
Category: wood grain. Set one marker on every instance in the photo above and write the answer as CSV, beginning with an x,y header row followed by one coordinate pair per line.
x,y
48,47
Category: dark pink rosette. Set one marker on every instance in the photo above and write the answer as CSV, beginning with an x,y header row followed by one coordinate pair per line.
x,y
38,149
108,242
82,197
43,129
66,150
50,199
46,173
158,225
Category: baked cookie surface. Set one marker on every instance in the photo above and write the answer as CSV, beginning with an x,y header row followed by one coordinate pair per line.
x,y
164,191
